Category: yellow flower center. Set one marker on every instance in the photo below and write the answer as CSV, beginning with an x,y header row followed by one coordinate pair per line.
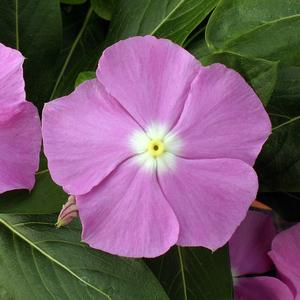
x,y
156,147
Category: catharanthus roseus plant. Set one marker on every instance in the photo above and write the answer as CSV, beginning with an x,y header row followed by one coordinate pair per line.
x,y
20,137
158,149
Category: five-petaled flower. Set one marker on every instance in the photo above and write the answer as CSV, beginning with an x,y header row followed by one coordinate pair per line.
x,y
158,149
20,129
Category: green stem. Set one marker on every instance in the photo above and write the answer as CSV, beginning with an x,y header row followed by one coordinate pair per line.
x,y
75,43
17,25
182,273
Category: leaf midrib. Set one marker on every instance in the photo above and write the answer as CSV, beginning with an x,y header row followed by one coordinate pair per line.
x,y
286,123
167,17
182,273
25,239
17,24
72,49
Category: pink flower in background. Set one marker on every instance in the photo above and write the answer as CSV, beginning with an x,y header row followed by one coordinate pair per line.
x,y
250,244
20,136
248,249
285,254
158,150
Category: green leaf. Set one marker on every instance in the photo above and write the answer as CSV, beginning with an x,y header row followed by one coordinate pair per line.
x,y
172,19
39,261
259,73
45,198
82,52
199,48
268,29
34,27
285,204
194,273
278,166
261,28
103,8
73,1
285,102
83,76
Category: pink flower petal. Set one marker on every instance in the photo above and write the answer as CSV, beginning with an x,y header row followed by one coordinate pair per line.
x,y
261,288
86,135
11,77
285,254
128,215
250,244
20,136
222,118
150,77
210,198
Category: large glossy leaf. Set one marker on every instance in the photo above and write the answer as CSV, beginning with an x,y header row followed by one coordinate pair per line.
x,y
268,29
260,28
172,19
198,47
45,198
194,273
34,27
279,164
38,261
82,49
103,8
261,74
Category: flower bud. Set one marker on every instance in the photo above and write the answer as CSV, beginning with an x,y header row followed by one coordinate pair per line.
x,y
68,212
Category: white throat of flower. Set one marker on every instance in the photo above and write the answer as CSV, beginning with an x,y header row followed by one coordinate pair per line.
x,y
155,148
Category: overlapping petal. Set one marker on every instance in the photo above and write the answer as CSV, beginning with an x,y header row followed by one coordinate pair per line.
x,y
250,244
20,137
285,254
222,117
150,77
209,197
86,135
11,77
128,215
261,288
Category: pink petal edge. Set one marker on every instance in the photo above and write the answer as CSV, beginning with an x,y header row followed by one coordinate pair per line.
x,y
127,215
209,197
86,135
150,78
285,254
261,288
222,117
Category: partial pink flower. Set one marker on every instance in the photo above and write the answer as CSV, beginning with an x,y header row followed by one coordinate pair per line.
x,y
248,250
285,254
157,149
261,288
250,244
20,134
